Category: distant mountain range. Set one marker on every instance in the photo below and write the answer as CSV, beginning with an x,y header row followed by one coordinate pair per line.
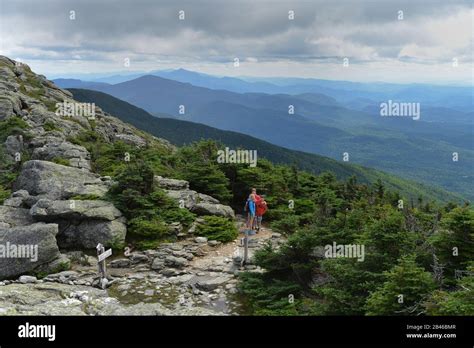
x,y
321,124
350,94
181,132
70,83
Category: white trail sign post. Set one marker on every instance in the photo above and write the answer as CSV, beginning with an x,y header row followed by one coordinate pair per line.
x,y
101,256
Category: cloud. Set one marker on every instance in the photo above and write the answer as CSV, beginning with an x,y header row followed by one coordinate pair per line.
x,y
151,34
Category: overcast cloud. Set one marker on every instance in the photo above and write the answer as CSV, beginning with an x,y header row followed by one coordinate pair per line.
x,y
419,48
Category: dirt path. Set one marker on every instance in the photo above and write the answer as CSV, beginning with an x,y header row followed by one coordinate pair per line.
x,y
224,253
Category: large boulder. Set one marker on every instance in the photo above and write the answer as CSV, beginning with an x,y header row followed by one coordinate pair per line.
x,y
50,148
25,248
9,105
83,224
12,217
131,139
213,209
55,181
171,184
18,199
46,299
188,198
48,210
14,145
87,234
198,203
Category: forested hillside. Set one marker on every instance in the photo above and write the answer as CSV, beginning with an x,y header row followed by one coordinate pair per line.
x,y
182,132
420,150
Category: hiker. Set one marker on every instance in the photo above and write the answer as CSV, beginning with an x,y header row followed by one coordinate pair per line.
x,y
250,207
261,208
257,200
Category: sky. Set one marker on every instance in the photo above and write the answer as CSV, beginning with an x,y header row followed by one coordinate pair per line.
x,y
385,40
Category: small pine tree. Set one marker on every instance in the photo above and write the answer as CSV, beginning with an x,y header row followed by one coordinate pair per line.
x,y
402,293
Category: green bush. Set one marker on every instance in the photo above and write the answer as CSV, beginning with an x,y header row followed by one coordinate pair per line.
x,y
271,296
147,208
286,225
171,213
12,126
8,174
217,228
4,194
148,233
49,126
60,160
148,229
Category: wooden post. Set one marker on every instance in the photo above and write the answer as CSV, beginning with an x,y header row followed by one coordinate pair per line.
x,y
101,256
246,247
101,264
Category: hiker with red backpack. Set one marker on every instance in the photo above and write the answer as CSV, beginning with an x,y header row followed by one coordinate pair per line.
x,y
261,209
255,206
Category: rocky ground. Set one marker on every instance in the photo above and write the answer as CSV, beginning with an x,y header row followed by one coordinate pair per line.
x,y
189,277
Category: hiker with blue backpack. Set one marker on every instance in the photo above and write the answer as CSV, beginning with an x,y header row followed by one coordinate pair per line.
x,y
251,207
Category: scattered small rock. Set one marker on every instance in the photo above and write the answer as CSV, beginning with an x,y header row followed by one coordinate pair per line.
x,y
27,279
149,292
120,263
200,240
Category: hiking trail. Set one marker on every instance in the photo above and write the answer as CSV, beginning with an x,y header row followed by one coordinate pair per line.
x,y
189,277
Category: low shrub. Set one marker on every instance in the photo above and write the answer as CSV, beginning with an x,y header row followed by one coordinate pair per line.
x,y
217,228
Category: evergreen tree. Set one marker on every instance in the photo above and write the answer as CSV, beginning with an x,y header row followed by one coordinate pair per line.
x,y
457,302
454,242
406,287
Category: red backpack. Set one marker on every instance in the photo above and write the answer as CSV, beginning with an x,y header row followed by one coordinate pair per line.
x,y
261,206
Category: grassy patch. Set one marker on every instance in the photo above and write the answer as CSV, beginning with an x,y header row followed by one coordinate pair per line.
x,y
89,197
50,126
60,160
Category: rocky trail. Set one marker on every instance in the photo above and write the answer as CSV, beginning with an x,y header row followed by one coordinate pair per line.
x,y
190,277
